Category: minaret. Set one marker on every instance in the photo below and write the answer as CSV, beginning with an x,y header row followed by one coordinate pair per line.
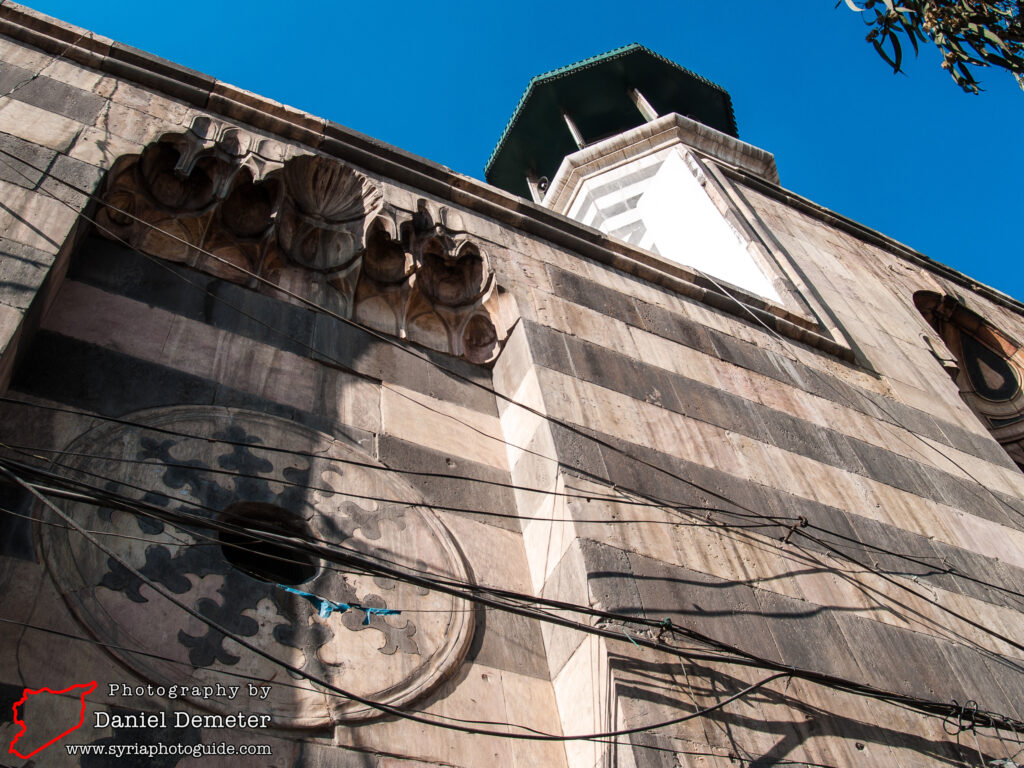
x,y
616,141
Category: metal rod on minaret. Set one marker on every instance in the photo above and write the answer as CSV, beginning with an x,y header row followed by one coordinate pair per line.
x,y
576,135
649,112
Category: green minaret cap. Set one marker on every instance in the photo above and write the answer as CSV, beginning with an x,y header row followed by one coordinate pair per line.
x,y
595,95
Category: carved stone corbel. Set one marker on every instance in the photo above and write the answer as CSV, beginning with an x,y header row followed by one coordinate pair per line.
x,y
321,221
209,188
426,278
385,281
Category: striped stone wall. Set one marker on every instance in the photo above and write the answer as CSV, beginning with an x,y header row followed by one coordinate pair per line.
x,y
642,445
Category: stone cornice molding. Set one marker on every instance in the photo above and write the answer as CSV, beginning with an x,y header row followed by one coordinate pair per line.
x,y
667,131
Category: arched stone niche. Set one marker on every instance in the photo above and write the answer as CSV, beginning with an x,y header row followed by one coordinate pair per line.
x,y
986,364
250,209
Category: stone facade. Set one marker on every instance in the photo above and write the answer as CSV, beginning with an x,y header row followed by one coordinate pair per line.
x,y
214,305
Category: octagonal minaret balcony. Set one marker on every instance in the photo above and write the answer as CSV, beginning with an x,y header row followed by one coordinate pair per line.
x,y
615,143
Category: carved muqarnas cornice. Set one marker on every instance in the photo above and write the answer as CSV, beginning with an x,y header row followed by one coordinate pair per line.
x,y
222,200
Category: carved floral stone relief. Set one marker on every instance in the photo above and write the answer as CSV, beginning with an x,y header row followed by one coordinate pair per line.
x,y
241,207
333,490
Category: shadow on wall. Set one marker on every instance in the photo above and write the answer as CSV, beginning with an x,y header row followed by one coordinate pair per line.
x,y
745,729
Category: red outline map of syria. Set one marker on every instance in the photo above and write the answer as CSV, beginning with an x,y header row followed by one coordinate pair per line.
x,y
85,689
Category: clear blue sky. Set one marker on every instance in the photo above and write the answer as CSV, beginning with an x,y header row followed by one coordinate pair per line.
x,y
909,155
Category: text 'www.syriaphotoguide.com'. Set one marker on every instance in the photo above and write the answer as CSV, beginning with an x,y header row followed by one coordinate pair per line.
x,y
160,750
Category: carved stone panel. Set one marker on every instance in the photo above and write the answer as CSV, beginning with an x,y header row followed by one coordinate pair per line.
x,y
310,485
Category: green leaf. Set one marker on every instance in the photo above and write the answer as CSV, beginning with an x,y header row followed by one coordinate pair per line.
x,y
882,52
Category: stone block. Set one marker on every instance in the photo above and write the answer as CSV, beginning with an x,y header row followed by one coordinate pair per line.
x,y
568,584
496,556
509,642
72,181
929,677
105,381
40,126
50,95
433,374
610,579
576,449
458,490
261,318
546,539
22,162
476,692
975,676
547,346
74,75
744,354
458,432
101,148
808,636
970,496
160,109
512,364
531,702
969,573
120,270
535,472
524,425
34,218
22,270
582,689
127,124
719,609
589,294
891,469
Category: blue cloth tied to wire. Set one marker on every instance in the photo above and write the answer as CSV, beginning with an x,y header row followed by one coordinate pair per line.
x,y
325,607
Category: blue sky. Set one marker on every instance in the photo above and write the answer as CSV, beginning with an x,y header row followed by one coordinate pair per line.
x,y
910,155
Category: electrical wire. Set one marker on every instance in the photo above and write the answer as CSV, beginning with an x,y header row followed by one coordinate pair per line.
x,y
160,515
916,593
987,719
106,496
858,563
358,561
379,706
35,450
663,504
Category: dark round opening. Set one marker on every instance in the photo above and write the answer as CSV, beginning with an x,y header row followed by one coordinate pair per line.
x,y
266,560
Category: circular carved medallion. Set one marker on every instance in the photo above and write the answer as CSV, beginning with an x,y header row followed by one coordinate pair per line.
x,y
311,483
